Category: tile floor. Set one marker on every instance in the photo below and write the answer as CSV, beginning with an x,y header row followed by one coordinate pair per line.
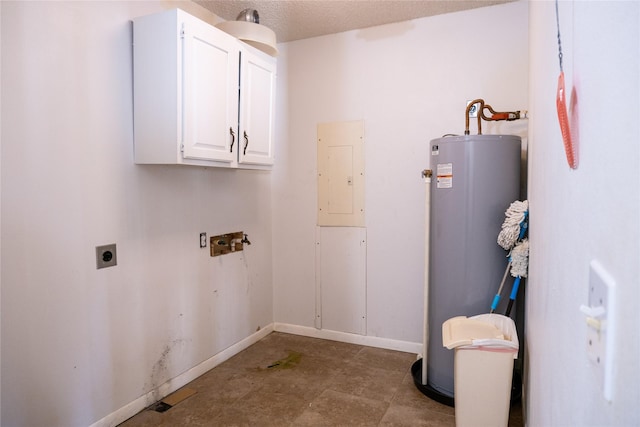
x,y
289,380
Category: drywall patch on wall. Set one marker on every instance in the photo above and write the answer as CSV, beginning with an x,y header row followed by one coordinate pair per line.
x,y
341,279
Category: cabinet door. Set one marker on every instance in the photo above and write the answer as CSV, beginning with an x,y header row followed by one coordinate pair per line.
x,y
257,108
210,63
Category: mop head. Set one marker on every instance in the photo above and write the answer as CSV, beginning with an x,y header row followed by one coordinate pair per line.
x,y
514,223
520,259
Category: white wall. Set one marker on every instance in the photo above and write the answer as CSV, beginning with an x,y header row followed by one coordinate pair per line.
x,y
409,82
590,213
79,343
0,223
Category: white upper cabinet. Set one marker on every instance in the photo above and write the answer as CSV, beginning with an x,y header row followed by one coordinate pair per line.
x,y
257,106
188,94
210,95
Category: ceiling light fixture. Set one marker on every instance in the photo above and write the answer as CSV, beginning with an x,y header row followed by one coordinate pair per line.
x,y
248,29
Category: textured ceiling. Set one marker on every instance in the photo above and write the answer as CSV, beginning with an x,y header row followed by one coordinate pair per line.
x,y
301,19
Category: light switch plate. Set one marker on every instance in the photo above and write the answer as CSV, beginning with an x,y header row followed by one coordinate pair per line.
x,y
601,329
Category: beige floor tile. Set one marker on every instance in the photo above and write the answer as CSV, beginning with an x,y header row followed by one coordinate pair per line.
x,y
385,359
409,395
333,408
398,415
262,407
369,382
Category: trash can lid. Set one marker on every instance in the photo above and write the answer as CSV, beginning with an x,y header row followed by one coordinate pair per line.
x,y
461,330
486,330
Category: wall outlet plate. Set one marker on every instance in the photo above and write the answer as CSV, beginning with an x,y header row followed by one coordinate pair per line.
x,y
203,240
106,256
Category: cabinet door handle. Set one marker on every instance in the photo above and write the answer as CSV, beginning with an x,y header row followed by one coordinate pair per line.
x,y
246,143
233,139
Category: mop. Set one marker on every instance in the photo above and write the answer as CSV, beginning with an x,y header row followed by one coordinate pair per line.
x,y
513,230
519,269
515,224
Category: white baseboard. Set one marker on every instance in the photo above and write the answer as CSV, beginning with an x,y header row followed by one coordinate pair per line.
x,y
174,384
389,344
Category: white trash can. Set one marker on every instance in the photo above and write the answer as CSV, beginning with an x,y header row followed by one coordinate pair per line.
x,y
485,347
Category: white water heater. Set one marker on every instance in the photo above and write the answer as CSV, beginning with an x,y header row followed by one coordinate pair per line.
x,y
475,179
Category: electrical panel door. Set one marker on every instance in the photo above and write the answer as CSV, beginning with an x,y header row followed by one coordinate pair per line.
x,y
341,174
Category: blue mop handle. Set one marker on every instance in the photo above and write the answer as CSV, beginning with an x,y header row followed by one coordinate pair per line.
x,y
514,290
512,297
495,302
524,224
496,299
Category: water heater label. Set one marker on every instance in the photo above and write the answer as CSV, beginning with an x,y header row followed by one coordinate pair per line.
x,y
444,175
435,150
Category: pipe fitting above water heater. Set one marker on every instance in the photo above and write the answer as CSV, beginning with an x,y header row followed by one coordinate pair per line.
x,y
495,115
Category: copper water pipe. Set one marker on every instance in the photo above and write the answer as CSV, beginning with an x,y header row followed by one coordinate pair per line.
x,y
495,115
466,116
500,115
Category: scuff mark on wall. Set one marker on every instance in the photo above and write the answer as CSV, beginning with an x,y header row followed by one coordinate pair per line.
x,y
160,371
247,272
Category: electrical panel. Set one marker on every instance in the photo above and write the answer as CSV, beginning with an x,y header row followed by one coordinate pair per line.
x,y
341,174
